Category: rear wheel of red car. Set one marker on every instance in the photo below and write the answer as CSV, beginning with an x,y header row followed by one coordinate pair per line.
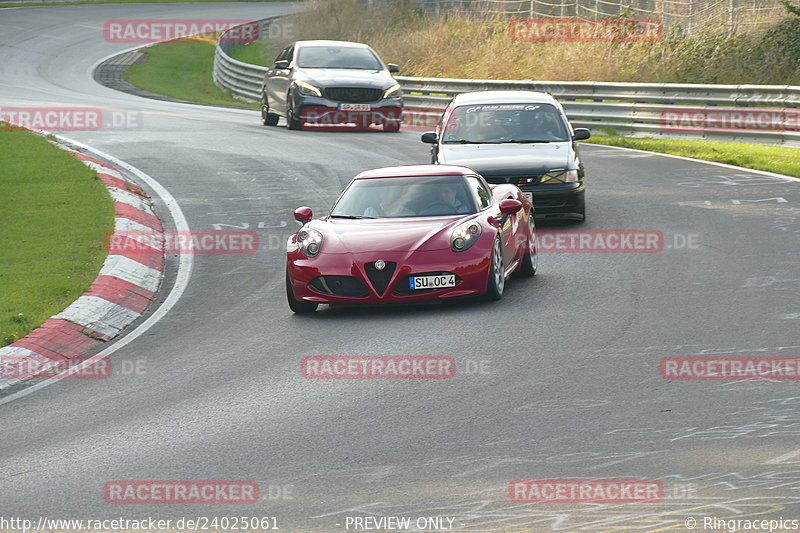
x,y
297,306
497,277
530,260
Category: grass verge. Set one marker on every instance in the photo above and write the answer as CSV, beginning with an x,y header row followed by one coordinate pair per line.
x,y
54,214
780,159
82,2
182,69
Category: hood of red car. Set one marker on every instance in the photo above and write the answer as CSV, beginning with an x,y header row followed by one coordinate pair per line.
x,y
387,235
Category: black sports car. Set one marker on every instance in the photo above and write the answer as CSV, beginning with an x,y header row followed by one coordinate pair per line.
x,y
331,82
519,137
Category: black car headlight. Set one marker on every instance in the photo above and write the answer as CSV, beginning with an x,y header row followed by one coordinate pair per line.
x,y
465,236
560,176
309,241
394,91
306,89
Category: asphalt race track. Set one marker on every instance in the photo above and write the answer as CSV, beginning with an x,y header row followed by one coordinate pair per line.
x,y
560,379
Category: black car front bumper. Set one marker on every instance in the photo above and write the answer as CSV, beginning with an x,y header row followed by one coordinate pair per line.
x,y
561,200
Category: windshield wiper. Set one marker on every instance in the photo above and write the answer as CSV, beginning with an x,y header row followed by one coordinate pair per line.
x,y
355,217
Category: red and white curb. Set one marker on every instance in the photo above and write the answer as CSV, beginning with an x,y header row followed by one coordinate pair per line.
x,y
126,284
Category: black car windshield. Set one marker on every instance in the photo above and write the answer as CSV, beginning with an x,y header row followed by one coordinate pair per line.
x,y
408,196
337,57
505,123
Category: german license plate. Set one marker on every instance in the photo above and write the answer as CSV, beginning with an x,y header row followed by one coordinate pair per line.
x,y
528,195
432,282
354,107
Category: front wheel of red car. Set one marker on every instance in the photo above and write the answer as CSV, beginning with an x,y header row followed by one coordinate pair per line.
x,y
497,275
297,306
530,261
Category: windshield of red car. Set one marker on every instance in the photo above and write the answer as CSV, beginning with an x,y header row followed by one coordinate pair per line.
x,y
505,123
337,57
409,196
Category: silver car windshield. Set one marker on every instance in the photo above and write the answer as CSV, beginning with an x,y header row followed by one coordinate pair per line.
x,y
505,123
412,196
337,57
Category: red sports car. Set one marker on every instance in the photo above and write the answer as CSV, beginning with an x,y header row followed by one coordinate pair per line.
x,y
410,233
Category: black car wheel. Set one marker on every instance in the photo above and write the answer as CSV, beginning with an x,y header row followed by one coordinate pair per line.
x,y
292,121
530,260
297,306
497,276
267,118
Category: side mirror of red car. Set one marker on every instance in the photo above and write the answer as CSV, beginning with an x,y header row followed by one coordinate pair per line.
x,y
303,214
510,206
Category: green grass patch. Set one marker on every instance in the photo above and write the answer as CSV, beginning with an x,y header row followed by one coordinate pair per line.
x,y
54,213
182,69
260,52
780,159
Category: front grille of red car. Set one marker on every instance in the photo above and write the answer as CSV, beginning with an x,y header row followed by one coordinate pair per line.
x,y
380,278
339,286
353,95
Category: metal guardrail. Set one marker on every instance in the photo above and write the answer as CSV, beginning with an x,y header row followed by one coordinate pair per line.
x,y
766,114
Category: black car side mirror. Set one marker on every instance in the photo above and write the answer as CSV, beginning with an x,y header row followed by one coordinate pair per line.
x,y
581,134
429,137
282,64
393,68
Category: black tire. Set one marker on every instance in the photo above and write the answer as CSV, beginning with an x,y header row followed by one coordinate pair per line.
x,y
297,306
292,122
267,118
530,260
496,283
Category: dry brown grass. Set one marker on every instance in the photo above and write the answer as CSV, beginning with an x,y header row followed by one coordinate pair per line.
x,y
463,46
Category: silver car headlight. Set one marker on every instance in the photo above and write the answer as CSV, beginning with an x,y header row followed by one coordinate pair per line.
x,y
306,89
394,91
309,241
560,176
465,236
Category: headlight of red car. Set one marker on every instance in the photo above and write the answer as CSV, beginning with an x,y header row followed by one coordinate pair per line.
x,y
465,236
309,241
